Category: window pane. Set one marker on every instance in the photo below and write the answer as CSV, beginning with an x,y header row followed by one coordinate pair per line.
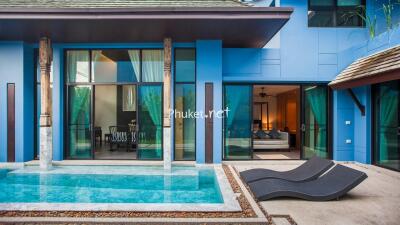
x,y
315,140
116,65
78,66
349,2
150,122
152,65
237,122
185,65
322,2
79,122
349,17
387,124
321,18
185,126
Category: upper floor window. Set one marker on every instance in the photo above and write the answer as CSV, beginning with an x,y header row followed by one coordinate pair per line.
x,y
336,13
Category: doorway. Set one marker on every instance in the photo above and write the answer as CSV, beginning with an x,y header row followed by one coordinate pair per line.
x,y
276,122
271,121
114,104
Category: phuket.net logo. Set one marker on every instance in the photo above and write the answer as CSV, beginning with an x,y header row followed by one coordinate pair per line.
x,y
189,114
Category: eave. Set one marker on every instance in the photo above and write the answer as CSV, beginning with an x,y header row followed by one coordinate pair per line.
x,y
235,26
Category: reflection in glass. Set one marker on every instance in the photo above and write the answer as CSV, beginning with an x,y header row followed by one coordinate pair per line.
x,y
185,66
152,65
116,65
315,122
322,2
79,120
78,66
150,122
387,124
237,123
185,126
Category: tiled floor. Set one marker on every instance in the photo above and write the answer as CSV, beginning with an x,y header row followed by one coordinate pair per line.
x,y
103,152
375,201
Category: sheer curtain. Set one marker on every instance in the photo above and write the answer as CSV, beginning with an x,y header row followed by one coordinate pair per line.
x,y
153,65
151,99
316,96
134,56
388,120
78,66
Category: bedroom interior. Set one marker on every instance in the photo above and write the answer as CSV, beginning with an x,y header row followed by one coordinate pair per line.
x,y
276,122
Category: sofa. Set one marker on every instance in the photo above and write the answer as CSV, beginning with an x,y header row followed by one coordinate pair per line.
x,y
266,143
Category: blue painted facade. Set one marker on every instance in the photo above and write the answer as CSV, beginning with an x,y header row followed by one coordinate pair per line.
x,y
302,55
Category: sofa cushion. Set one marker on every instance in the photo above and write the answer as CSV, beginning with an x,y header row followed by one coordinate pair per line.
x,y
274,134
261,134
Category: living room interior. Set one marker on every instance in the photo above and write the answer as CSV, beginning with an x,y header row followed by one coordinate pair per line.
x,y
276,122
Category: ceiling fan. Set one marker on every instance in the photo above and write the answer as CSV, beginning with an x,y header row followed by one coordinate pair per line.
x,y
263,94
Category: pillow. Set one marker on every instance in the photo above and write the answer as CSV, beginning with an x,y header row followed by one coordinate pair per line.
x,y
274,134
255,135
261,134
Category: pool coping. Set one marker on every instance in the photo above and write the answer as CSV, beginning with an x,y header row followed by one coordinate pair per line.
x,y
230,202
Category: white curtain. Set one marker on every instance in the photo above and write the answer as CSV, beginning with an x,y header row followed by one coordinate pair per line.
x,y
153,65
129,98
134,56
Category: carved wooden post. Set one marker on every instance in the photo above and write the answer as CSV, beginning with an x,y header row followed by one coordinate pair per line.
x,y
45,60
167,103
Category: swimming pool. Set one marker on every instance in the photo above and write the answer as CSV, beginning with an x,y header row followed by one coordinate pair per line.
x,y
110,184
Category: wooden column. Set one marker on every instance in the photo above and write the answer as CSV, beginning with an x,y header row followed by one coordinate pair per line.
x,y
167,145
45,59
167,82
46,134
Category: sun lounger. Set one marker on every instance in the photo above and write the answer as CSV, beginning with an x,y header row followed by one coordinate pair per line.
x,y
332,185
309,170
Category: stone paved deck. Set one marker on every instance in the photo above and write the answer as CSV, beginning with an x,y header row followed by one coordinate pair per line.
x,y
375,201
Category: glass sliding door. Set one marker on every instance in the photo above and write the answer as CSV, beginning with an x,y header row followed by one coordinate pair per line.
x,y
114,103
315,121
150,122
185,102
79,122
237,122
387,124
185,126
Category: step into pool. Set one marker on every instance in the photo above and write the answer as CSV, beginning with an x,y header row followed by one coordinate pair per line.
x,y
110,184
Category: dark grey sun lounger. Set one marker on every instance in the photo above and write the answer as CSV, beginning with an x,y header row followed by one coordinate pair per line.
x,y
332,185
309,170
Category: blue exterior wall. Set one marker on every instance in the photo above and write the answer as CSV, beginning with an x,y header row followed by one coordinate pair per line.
x,y
16,66
208,69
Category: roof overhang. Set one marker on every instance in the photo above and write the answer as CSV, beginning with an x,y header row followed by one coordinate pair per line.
x,y
377,68
235,26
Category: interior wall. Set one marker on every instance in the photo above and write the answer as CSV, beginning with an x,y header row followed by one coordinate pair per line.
x,y
272,111
105,113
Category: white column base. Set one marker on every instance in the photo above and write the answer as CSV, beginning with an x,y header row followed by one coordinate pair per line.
x,y
167,148
46,148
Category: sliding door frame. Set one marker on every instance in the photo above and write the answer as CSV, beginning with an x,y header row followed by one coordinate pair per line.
x,y
223,121
92,98
373,133
329,114
301,86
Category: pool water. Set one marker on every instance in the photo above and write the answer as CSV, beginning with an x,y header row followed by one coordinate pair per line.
x,y
109,184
